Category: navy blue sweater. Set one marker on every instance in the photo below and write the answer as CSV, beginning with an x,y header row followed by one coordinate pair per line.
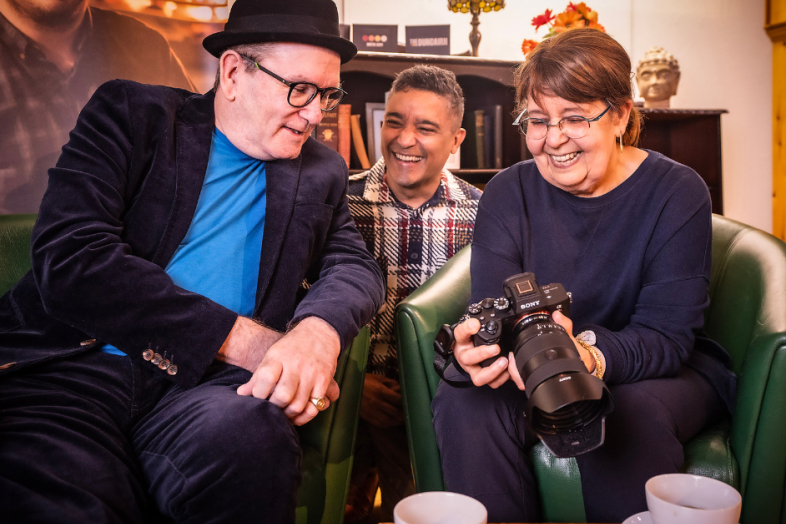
x,y
637,259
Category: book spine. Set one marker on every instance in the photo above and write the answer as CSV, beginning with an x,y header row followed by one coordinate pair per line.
x,y
480,138
488,146
327,130
498,139
344,112
357,142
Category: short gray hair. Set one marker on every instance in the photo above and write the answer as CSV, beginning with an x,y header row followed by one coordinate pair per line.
x,y
434,80
257,51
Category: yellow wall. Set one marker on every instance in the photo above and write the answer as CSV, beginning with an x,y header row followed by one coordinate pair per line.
x,y
779,136
776,18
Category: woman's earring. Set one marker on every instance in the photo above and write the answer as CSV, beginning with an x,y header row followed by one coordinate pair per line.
x,y
620,143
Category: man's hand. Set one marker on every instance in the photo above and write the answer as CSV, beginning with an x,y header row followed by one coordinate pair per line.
x,y
247,344
469,357
381,403
298,368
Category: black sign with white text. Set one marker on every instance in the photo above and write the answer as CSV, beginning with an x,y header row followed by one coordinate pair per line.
x,y
428,39
383,38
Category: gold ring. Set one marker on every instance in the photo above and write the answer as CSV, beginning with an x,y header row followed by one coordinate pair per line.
x,y
319,402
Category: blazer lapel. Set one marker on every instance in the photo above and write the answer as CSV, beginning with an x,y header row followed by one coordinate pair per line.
x,y
193,136
283,177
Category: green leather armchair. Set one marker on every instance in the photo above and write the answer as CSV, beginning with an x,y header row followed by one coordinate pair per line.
x,y
747,316
328,441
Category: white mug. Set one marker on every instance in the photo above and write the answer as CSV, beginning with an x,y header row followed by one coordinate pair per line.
x,y
439,507
679,498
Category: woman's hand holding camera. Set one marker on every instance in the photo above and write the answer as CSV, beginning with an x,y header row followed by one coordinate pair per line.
x,y
469,357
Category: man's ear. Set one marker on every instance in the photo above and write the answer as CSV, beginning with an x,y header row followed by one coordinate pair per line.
x,y
458,138
230,64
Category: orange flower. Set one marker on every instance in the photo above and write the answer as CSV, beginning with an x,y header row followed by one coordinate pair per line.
x,y
583,9
543,19
556,30
595,25
573,17
569,19
527,46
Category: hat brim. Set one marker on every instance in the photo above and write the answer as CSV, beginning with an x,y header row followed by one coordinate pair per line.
x,y
216,43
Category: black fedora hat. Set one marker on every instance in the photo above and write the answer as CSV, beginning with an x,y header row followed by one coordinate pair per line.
x,y
312,22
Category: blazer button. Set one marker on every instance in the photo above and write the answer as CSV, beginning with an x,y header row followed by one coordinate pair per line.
x,y
172,370
87,342
157,358
164,364
147,354
12,364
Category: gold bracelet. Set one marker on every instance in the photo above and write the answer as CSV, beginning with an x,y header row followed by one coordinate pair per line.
x,y
593,351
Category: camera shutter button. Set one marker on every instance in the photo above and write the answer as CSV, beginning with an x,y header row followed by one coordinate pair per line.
x,y
487,303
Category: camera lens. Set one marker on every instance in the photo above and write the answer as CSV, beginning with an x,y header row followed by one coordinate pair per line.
x,y
566,405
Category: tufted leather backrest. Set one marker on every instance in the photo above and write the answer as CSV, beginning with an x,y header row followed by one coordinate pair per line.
x,y
746,287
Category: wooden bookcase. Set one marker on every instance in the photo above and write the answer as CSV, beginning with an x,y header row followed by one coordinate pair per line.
x,y
691,137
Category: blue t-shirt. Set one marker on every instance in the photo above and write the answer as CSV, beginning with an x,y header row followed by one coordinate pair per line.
x,y
219,256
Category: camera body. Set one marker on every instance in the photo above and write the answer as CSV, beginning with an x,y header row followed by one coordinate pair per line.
x,y
522,297
566,406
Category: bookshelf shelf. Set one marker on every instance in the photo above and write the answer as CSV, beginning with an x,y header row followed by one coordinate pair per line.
x,y
691,137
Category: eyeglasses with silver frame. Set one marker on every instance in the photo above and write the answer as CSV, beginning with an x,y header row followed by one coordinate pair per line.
x,y
302,93
571,126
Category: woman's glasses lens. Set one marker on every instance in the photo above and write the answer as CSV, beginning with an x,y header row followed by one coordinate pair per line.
x,y
537,129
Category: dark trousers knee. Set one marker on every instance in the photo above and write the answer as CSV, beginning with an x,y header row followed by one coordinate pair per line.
x,y
211,455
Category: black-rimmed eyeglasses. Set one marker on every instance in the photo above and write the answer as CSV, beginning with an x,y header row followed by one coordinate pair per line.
x,y
571,126
302,93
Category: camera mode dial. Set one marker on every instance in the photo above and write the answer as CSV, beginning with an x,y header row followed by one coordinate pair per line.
x,y
501,304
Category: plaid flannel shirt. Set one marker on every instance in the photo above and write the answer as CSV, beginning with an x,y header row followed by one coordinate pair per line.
x,y
409,244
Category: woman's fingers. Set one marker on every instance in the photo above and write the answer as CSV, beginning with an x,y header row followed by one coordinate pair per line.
x,y
514,371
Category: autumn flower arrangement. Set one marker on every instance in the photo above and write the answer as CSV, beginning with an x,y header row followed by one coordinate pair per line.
x,y
573,17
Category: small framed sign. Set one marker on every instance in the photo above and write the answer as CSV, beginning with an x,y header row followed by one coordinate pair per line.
x,y
428,39
381,38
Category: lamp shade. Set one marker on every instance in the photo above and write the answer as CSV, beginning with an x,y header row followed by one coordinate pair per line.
x,y
465,6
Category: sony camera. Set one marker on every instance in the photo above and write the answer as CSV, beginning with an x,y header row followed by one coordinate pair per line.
x,y
566,405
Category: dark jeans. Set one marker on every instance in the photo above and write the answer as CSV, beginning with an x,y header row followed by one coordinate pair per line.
x,y
97,439
484,444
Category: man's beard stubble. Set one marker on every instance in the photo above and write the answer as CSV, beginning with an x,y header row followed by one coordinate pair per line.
x,y
52,14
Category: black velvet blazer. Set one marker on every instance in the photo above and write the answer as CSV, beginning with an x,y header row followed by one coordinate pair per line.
x,y
119,202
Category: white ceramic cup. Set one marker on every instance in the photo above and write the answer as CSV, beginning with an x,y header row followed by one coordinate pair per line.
x,y
439,507
679,498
